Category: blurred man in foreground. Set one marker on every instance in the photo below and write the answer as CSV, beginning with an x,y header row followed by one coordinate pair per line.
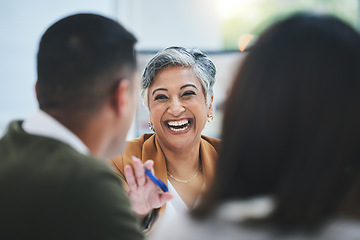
x,y
53,182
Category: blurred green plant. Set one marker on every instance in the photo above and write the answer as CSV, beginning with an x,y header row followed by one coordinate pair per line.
x,y
255,16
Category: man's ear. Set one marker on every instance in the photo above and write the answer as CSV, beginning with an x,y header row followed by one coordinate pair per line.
x,y
121,99
36,91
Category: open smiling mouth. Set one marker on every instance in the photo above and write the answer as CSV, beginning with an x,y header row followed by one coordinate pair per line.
x,y
178,126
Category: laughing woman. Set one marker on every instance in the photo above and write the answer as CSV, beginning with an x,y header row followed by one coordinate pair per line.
x,y
177,88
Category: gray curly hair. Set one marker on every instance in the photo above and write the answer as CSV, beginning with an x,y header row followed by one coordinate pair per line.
x,y
194,59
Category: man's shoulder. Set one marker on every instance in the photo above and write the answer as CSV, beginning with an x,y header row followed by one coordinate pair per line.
x,y
62,187
20,150
42,162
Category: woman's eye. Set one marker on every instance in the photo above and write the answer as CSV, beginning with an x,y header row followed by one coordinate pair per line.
x,y
160,97
188,93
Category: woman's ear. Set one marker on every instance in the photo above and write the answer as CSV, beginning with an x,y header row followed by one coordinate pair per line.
x,y
210,109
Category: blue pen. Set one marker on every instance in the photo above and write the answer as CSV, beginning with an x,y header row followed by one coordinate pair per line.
x,y
157,181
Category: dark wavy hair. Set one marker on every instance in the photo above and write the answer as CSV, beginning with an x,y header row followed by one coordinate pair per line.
x,y
291,127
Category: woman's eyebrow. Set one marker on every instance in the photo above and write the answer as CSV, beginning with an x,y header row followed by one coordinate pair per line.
x,y
189,85
159,89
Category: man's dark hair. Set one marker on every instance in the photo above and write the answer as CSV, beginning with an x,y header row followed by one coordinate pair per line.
x,y
77,61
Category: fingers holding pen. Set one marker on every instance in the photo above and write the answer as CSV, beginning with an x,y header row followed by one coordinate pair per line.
x,y
149,164
139,172
130,178
144,193
135,174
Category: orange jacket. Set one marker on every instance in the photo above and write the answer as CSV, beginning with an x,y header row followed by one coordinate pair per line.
x,y
147,147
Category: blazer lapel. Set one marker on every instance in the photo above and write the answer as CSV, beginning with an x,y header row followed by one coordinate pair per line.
x,y
151,150
208,156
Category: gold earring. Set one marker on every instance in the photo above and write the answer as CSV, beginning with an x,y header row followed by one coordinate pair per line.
x,y
210,118
151,127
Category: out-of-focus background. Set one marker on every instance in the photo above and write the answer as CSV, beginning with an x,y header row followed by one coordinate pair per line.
x,y
222,28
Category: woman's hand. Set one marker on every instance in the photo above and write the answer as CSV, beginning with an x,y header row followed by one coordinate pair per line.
x,y
143,193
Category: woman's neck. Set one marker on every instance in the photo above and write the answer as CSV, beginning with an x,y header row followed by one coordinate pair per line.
x,y
183,164
184,171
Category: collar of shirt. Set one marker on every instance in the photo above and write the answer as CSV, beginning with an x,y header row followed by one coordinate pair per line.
x,y
240,210
41,123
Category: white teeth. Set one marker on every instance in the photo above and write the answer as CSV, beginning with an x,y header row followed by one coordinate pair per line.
x,y
178,123
178,126
179,129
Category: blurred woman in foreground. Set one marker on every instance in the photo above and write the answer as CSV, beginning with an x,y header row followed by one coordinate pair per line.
x,y
290,164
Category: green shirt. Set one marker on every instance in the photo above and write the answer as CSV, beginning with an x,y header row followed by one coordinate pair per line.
x,y
48,190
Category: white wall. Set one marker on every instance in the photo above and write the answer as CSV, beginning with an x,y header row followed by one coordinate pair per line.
x,y
163,23
156,23
22,23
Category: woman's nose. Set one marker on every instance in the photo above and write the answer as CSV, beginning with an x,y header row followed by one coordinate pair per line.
x,y
176,108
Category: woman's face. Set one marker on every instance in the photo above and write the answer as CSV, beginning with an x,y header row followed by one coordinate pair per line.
x,y
177,107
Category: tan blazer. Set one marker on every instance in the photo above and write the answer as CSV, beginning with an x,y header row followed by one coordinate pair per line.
x,y
147,147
